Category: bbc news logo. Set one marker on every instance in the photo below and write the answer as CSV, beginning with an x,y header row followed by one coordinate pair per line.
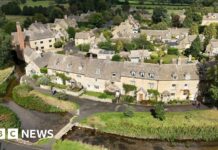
x,y
13,134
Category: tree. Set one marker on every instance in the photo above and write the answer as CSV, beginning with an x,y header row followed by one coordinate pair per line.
x,y
159,26
176,21
40,18
55,12
84,47
117,20
9,27
195,49
11,8
5,46
118,46
209,33
96,19
58,44
159,111
129,112
116,58
194,29
27,22
71,32
159,14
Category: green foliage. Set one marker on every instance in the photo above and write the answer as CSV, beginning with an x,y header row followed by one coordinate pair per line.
x,y
8,118
58,44
3,88
195,49
117,20
107,34
159,26
96,19
128,99
106,45
194,29
43,81
9,27
22,96
63,77
172,51
159,112
128,88
129,112
62,96
84,47
104,95
44,70
159,14
153,94
116,58
5,46
11,8
71,32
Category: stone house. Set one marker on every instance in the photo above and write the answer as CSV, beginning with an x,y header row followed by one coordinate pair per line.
x,y
84,37
209,18
137,56
212,48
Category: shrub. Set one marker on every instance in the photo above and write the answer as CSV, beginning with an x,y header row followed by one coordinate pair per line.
x,y
106,45
44,70
3,88
116,58
58,44
84,47
129,112
128,88
128,99
43,81
62,96
172,51
159,111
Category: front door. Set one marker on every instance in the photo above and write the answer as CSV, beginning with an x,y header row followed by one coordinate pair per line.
x,y
141,97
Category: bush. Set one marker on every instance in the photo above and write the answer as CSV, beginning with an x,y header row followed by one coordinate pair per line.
x,y
172,51
106,45
43,81
129,112
128,88
62,96
159,111
3,88
128,99
58,44
44,70
116,58
84,47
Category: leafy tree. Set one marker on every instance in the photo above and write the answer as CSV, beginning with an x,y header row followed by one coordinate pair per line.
x,y
129,112
159,112
58,44
71,32
11,8
40,18
195,49
107,34
5,46
96,19
153,94
209,33
116,58
118,46
159,14
9,27
55,12
106,45
2,18
117,20
27,22
160,26
84,47
176,21
128,88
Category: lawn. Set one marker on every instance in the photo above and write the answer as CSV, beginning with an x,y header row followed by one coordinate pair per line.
x,y
8,119
99,95
53,101
22,96
16,18
196,125
167,59
44,3
4,73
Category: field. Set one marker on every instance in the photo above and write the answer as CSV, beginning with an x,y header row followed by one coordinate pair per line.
x,y
196,125
4,73
16,18
44,3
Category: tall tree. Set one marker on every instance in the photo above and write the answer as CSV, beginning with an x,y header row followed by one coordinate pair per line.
x,y
159,14
196,48
5,46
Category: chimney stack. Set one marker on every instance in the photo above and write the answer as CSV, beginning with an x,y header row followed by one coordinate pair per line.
x,y
20,36
65,17
190,58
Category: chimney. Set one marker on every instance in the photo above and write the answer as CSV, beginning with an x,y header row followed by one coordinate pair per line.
x,y
65,17
20,36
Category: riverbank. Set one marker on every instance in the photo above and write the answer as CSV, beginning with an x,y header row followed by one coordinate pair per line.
x,y
192,125
4,76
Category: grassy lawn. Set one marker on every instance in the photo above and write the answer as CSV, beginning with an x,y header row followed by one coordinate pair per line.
x,y
99,95
64,105
74,145
167,59
23,97
197,125
16,18
8,119
44,3
4,73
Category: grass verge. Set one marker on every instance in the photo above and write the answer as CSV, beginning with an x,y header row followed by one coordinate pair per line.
x,y
99,95
195,125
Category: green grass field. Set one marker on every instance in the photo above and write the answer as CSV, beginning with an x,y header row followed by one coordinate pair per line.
x,y
44,3
16,18
197,125
99,95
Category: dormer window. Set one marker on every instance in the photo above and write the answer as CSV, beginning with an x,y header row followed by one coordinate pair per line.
x,y
69,65
142,74
174,76
187,76
114,74
151,75
57,62
132,73
80,68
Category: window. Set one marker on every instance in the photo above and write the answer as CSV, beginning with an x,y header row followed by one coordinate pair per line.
x,y
80,68
37,48
50,45
113,74
69,65
50,41
97,71
96,86
173,86
174,76
142,74
187,76
35,43
132,73
42,47
151,75
186,85
41,42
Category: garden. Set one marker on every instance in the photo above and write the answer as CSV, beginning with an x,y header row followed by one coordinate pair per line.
x,y
24,96
193,125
